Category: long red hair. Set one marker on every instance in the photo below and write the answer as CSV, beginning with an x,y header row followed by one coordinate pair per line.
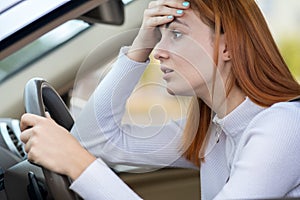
x,y
257,65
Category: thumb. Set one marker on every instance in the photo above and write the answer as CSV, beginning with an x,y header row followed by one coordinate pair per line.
x,y
48,116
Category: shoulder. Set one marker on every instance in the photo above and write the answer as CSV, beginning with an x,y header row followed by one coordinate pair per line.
x,y
275,130
280,117
282,110
293,106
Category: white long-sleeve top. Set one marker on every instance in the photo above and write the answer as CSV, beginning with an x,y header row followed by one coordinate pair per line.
x,y
257,155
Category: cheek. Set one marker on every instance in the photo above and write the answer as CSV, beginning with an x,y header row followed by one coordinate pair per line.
x,y
194,74
186,80
195,60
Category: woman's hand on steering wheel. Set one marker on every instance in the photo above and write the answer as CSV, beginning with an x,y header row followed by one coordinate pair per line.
x,y
53,147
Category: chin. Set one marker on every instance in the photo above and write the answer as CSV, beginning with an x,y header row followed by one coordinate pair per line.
x,y
179,93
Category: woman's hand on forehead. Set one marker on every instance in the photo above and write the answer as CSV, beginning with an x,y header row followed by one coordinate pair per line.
x,y
158,13
164,11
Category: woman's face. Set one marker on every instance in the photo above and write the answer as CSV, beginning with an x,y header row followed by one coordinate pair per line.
x,y
185,52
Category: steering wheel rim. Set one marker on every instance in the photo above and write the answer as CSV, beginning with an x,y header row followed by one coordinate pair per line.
x,y
38,95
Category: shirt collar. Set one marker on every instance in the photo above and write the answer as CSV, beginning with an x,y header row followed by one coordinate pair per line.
x,y
237,120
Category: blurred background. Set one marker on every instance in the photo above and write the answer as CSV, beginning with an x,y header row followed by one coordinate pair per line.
x,y
283,18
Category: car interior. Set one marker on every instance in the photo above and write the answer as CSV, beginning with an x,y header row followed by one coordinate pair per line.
x,y
54,60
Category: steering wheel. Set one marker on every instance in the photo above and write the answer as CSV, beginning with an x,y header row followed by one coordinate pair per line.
x,y
38,96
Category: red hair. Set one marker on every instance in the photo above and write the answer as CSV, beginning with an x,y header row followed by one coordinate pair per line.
x,y
258,68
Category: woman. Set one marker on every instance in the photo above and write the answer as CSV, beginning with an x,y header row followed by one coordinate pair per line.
x,y
242,128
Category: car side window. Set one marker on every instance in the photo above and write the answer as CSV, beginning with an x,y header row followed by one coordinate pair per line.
x,y
40,47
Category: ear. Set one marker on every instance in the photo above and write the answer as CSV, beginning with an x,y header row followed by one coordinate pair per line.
x,y
225,53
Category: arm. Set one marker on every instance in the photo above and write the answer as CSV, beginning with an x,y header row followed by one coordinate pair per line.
x,y
103,134
98,181
268,164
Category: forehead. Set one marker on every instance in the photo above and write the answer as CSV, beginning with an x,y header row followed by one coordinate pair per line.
x,y
190,19
178,21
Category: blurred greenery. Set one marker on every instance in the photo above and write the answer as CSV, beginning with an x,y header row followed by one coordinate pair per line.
x,y
290,49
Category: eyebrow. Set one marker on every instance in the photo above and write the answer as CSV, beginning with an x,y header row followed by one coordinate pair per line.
x,y
176,20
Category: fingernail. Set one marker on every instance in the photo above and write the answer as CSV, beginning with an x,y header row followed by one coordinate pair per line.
x,y
186,4
170,17
179,11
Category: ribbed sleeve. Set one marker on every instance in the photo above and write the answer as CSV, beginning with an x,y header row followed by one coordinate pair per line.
x,y
105,185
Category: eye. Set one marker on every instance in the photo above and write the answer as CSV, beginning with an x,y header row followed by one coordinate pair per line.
x,y
176,34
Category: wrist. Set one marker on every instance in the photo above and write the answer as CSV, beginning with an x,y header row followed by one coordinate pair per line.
x,y
140,55
80,164
143,44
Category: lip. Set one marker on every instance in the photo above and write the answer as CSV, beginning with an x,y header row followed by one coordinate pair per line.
x,y
167,71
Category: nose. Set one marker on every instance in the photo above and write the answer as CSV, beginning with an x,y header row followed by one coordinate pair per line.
x,y
160,51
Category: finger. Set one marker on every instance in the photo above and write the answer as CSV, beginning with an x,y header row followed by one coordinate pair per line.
x,y
28,120
25,135
157,21
163,11
159,15
27,146
48,116
156,17
32,158
171,4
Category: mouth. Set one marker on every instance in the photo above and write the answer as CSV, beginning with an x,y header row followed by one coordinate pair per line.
x,y
166,70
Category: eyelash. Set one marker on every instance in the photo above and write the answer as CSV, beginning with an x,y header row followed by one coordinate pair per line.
x,y
176,34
